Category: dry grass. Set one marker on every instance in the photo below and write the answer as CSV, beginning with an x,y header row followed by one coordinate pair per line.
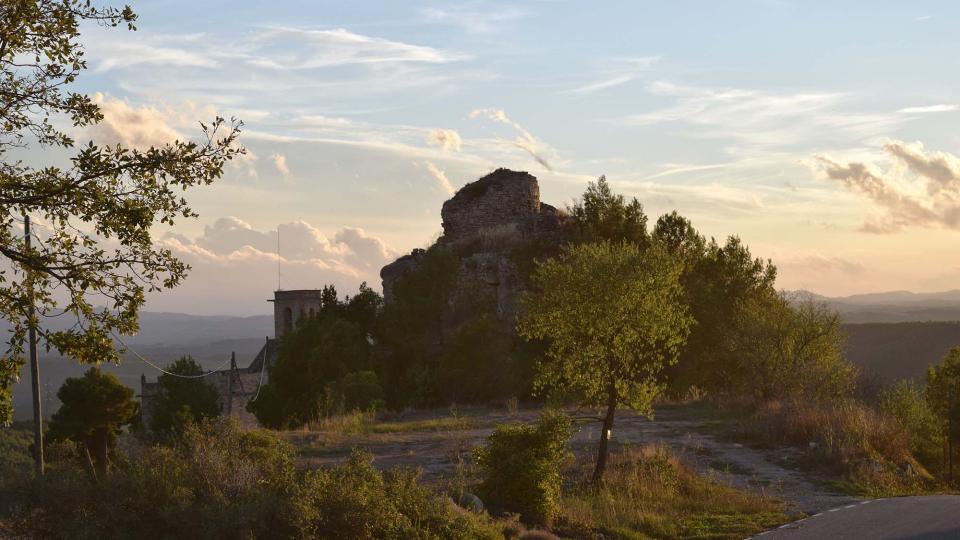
x,y
650,493
869,452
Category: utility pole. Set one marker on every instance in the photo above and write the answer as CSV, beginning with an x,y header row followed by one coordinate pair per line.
x,y
34,360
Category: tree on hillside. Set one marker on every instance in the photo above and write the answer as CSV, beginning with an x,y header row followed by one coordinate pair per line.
x,y
93,409
182,401
613,317
943,394
99,207
601,215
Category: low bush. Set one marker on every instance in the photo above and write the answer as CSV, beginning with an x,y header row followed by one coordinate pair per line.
x,y
869,451
522,467
218,481
650,493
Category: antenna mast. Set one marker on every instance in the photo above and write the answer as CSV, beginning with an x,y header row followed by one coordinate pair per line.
x,y
278,257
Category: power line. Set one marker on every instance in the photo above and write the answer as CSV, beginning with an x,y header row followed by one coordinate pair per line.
x,y
160,369
263,368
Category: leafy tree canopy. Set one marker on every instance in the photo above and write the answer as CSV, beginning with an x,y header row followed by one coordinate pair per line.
x,y
93,409
98,209
614,317
601,215
183,401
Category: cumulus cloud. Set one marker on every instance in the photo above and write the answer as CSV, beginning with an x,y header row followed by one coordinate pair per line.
x,y
446,139
139,127
280,162
918,187
440,177
524,141
235,266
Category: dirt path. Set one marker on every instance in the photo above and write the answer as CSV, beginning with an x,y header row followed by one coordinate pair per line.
x,y
437,453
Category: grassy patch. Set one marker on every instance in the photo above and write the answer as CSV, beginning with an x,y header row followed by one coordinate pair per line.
x,y
865,452
648,493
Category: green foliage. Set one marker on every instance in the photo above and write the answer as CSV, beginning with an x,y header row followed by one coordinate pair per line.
x,y
219,481
15,444
182,401
92,411
943,389
356,501
478,364
100,211
522,467
318,353
787,351
614,317
357,391
601,215
905,401
943,398
409,328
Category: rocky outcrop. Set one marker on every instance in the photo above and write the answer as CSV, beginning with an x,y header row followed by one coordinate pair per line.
x,y
489,225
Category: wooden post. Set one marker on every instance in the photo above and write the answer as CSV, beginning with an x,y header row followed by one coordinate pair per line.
x,y
34,359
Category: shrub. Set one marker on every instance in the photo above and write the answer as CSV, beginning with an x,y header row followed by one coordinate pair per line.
x,y
356,501
905,401
218,481
869,450
522,467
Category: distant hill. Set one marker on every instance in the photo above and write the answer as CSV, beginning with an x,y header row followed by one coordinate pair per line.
x,y
894,306
163,337
891,351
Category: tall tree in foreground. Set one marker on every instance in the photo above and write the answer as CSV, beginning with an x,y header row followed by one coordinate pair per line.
x,y
99,208
614,317
602,215
92,411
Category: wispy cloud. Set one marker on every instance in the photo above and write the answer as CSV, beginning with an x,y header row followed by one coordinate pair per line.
x,y
312,49
760,118
475,21
942,107
620,71
919,188
525,140
441,177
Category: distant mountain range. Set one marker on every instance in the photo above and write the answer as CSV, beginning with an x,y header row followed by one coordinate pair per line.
x,y
163,337
894,306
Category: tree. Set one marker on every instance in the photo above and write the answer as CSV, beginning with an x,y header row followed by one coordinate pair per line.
x,y
601,215
92,411
943,395
789,349
99,208
313,358
182,401
614,317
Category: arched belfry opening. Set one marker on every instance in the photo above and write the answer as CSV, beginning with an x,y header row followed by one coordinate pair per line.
x,y
291,306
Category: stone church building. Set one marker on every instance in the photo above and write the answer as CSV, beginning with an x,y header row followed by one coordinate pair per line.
x,y
236,385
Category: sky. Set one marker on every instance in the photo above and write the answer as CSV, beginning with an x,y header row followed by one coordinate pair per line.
x,y
821,133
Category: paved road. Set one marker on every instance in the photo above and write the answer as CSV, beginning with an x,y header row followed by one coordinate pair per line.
x,y
935,517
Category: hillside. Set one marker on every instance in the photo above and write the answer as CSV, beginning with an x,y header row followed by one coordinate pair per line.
x,y
163,338
894,306
900,350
